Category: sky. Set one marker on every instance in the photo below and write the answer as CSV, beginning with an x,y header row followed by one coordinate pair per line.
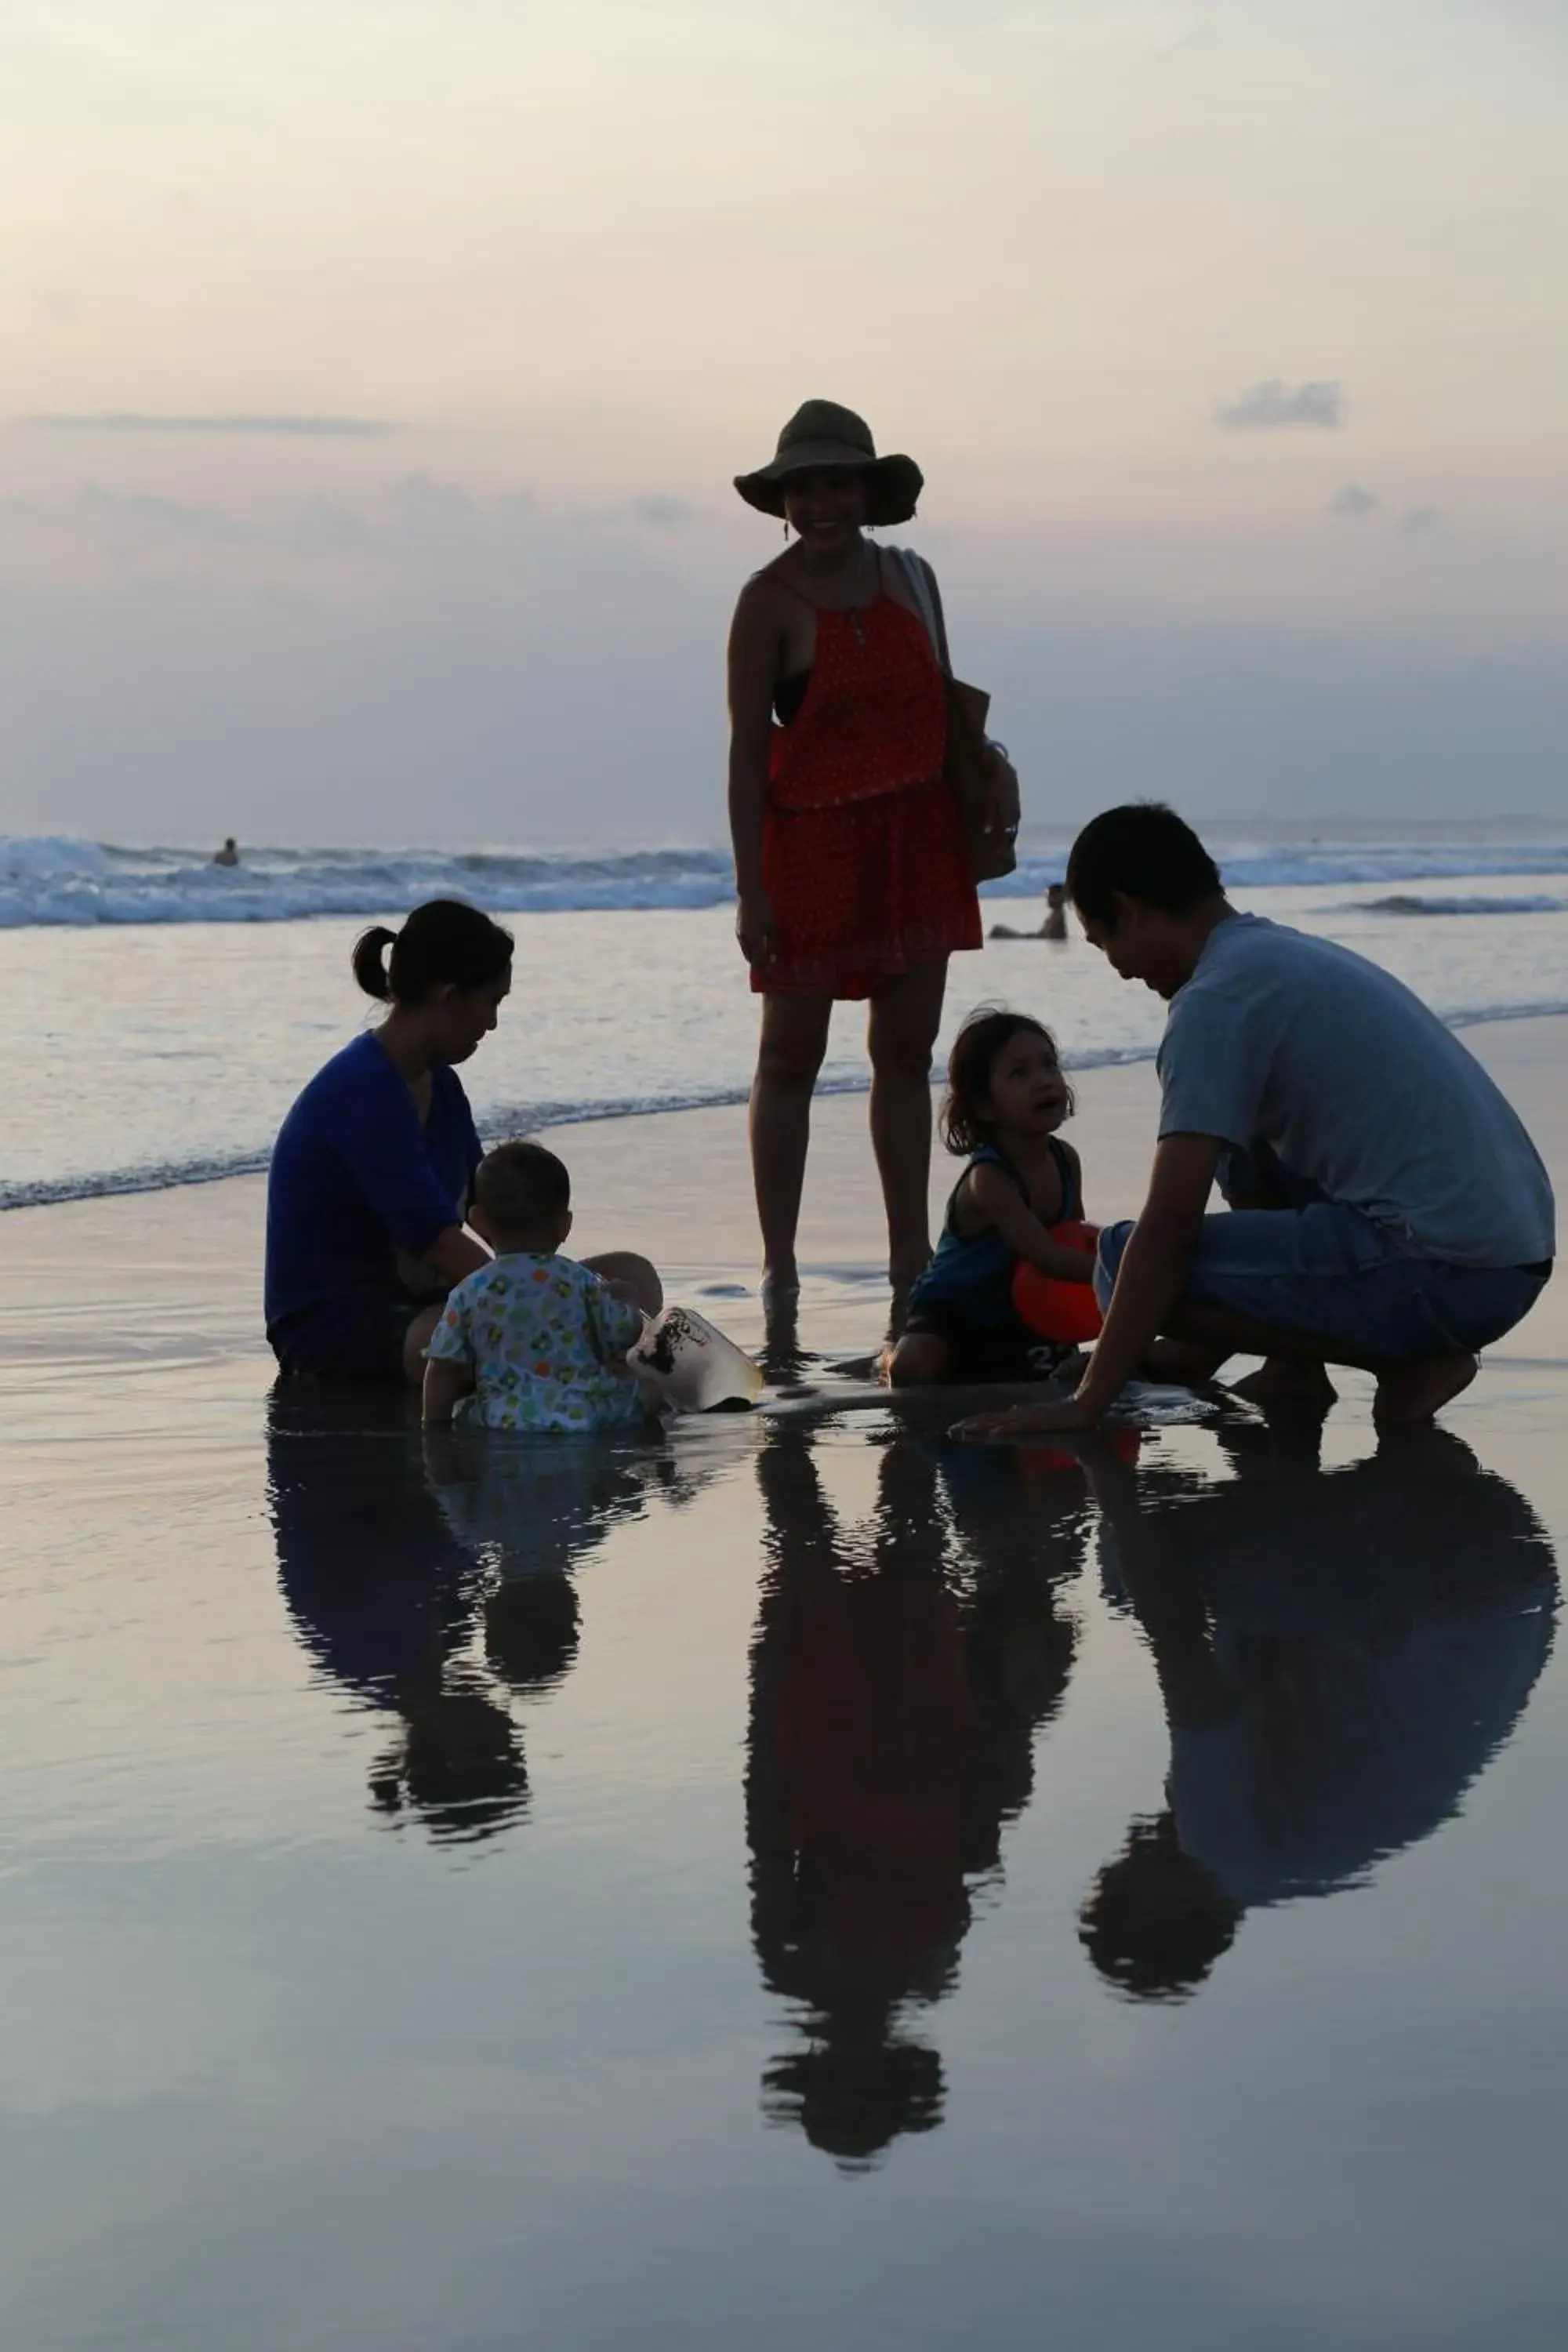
x,y
375,371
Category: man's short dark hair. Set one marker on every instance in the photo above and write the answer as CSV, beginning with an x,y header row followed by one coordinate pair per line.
x,y
519,1185
1144,851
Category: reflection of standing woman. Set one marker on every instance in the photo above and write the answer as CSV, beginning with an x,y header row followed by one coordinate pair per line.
x,y
851,865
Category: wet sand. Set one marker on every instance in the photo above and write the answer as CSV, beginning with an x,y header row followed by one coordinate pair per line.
x,y
787,1880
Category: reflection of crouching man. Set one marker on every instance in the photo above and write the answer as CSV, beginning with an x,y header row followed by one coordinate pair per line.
x,y
1387,1208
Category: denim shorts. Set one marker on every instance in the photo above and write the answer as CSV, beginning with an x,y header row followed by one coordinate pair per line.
x,y
1331,1274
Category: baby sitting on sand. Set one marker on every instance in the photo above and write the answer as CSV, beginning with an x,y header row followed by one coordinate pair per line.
x,y
533,1340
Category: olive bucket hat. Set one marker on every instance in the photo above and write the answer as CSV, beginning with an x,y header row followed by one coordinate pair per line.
x,y
821,434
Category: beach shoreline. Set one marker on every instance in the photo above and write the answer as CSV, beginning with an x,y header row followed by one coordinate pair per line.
x,y
128,1281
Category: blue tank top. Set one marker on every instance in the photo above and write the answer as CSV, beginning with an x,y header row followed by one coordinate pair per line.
x,y
974,1272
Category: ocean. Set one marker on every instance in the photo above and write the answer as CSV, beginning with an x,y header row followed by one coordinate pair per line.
x,y
164,1011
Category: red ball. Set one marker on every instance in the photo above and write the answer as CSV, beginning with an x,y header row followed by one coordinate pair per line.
x,y
1063,1311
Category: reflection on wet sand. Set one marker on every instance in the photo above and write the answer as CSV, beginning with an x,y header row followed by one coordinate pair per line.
x,y
397,1555
1340,1655
900,1673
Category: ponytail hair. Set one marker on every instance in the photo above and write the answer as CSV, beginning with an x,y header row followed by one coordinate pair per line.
x,y
370,961
445,943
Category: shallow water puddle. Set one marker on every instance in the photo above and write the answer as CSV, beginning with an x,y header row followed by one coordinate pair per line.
x,y
783,1878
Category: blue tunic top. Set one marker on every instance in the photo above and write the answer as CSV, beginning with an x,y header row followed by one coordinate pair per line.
x,y
972,1272
355,1179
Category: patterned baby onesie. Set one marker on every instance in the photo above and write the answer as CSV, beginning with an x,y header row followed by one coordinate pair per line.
x,y
545,1341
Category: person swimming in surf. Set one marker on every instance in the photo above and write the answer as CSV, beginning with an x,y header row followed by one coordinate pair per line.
x,y
1055,925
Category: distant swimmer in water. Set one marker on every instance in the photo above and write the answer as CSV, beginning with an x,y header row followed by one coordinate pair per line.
x,y
229,853
1055,925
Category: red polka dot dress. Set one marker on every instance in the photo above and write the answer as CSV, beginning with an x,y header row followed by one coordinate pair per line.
x,y
863,854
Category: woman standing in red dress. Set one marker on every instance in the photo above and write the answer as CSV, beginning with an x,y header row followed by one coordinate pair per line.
x,y
851,871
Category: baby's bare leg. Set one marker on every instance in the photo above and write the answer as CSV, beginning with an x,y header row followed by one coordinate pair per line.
x,y
629,1276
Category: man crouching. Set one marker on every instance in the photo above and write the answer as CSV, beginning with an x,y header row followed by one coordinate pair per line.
x,y
1387,1208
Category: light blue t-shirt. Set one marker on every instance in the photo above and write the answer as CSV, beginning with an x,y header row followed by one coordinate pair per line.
x,y
545,1340
1291,1040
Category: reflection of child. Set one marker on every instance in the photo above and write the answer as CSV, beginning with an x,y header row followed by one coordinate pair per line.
x,y
533,1340
1007,1097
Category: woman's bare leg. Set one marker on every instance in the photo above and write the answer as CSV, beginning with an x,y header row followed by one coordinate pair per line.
x,y
906,1014
789,1055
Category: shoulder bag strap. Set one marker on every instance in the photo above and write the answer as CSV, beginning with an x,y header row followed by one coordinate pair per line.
x,y
914,572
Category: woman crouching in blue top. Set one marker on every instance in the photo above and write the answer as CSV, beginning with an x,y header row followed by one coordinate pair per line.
x,y
1001,1243
374,1166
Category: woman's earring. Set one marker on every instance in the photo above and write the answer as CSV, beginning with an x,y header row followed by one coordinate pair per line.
x,y
787,533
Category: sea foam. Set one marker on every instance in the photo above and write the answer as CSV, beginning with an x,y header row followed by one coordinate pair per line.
x,y
59,881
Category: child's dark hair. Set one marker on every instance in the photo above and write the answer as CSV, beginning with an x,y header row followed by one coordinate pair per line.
x,y
1145,851
446,944
532,1631
519,1186
1156,1920
962,1125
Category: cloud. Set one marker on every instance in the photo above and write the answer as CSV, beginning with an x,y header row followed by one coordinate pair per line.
x,y
413,520
1354,502
324,526
212,525
318,428
95,511
422,518
1271,406
664,514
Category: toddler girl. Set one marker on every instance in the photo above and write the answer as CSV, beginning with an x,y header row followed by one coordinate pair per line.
x,y
535,1340
1006,1098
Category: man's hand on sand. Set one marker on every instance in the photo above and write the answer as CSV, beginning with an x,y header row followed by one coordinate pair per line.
x,y
1066,1416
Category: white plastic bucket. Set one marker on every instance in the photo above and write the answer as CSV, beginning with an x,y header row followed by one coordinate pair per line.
x,y
692,1364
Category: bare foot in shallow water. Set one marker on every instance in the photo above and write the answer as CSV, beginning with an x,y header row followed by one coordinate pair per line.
x,y
779,1291
1416,1392
1284,1384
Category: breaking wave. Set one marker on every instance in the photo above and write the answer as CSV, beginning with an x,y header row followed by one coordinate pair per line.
x,y
1406,903
59,881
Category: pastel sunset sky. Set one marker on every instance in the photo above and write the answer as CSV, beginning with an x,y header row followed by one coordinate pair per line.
x,y
375,370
